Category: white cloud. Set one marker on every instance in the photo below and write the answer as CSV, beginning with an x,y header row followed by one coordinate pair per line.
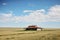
x,y
6,17
4,3
28,11
35,16
53,14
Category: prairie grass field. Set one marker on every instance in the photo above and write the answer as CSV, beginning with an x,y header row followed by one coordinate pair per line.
x,y
21,34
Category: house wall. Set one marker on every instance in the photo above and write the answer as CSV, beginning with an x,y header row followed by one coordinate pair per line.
x,y
31,28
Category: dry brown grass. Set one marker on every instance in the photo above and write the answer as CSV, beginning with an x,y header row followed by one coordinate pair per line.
x,y
20,34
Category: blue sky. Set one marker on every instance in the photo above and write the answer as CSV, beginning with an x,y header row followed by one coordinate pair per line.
x,y
21,13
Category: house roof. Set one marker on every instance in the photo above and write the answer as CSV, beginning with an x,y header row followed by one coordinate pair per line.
x,y
33,26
